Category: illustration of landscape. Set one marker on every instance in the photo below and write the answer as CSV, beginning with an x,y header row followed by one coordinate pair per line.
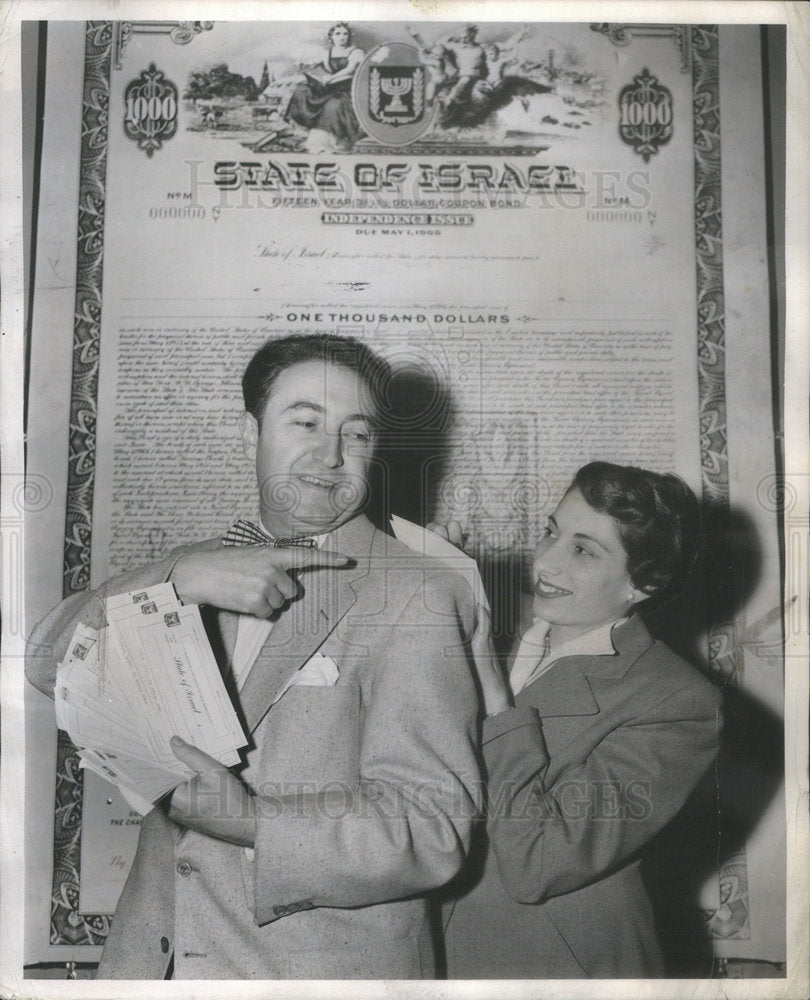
x,y
489,88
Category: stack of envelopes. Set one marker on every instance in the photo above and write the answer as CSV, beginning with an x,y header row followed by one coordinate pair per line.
x,y
124,691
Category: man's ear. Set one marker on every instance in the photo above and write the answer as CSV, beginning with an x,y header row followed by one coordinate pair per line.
x,y
249,427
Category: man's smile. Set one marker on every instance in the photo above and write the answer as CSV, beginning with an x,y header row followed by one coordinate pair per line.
x,y
324,484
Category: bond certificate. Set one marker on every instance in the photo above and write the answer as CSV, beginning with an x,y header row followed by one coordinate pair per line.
x,y
553,231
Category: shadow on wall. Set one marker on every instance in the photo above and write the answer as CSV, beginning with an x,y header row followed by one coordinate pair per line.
x,y
720,816
415,438
411,463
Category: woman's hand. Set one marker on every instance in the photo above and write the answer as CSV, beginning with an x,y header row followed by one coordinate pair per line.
x,y
451,531
494,688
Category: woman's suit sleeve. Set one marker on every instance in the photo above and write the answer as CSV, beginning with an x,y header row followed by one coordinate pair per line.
x,y
553,836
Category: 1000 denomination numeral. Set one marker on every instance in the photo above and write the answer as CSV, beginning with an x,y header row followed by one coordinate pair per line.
x,y
648,112
151,110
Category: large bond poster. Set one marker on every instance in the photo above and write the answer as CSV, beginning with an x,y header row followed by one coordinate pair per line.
x,y
541,225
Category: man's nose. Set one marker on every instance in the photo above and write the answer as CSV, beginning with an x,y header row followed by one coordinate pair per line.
x,y
330,450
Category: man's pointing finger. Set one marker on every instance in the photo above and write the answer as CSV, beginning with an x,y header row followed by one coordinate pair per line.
x,y
295,558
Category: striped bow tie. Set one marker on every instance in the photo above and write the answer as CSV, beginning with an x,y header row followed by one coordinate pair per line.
x,y
243,532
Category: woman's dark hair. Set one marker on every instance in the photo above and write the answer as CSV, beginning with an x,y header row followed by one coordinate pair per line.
x,y
657,516
274,356
340,24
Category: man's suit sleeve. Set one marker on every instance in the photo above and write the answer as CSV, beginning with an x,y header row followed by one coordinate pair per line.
x,y
551,837
405,826
49,638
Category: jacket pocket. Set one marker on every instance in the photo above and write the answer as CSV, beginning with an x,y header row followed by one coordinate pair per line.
x,y
312,736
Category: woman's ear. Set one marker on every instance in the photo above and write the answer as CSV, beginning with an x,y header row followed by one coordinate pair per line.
x,y
636,595
249,427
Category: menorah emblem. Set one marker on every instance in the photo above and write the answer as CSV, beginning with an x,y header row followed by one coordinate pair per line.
x,y
396,94
389,95
396,87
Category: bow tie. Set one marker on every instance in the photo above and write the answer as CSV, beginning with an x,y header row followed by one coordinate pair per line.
x,y
243,532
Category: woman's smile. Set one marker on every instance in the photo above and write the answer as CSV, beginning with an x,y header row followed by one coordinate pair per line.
x,y
544,589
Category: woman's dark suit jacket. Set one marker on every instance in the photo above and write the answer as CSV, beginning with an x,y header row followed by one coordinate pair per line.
x,y
597,755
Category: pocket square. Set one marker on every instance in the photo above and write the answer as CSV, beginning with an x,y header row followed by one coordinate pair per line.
x,y
319,671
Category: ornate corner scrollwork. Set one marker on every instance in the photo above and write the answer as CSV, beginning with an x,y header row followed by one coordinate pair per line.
x,y
180,32
184,31
623,34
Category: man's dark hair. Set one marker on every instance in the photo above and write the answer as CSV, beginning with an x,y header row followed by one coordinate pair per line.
x,y
657,516
275,356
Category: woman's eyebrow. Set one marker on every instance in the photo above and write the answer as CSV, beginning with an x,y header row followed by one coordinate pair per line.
x,y
579,534
590,538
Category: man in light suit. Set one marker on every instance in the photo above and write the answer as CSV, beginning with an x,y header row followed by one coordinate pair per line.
x,y
356,796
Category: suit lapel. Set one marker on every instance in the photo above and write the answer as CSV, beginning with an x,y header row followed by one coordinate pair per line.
x,y
228,626
567,687
562,690
303,626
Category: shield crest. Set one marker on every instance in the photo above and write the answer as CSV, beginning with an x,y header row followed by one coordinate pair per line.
x,y
390,94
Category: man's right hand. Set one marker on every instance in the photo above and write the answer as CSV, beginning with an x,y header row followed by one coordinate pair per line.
x,y
252,579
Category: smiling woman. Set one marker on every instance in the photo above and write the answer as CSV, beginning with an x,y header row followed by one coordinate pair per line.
x,y
617,537
609,734
580,570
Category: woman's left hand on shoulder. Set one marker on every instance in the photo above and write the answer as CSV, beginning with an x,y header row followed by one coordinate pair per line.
x,y
494,687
